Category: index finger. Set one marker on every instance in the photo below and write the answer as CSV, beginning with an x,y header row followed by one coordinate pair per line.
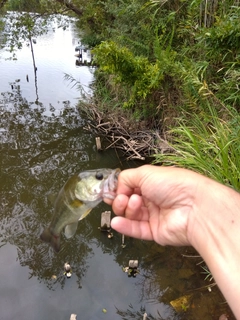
x,y
127,185
129,182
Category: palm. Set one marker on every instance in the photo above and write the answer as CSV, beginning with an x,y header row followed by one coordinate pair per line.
x,y
155,210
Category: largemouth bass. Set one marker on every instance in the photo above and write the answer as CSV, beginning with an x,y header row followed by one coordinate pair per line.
x,y
80,194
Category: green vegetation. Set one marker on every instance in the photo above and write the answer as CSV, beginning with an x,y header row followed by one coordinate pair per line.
x,y
180,62
134,72
161,54
207,143
171,62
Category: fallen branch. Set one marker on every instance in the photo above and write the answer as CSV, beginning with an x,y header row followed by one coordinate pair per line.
x,y
125,135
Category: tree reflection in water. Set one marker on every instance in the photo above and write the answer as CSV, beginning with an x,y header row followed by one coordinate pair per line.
x,y
130,313
38,153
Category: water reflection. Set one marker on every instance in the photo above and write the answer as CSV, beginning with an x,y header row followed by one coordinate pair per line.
x,y
55,56
37,154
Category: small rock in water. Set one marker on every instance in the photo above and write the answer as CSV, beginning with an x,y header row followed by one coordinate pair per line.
x,y
67,270
73,316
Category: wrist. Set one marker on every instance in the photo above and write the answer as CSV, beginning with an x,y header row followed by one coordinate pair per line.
x,y
216,217
214,231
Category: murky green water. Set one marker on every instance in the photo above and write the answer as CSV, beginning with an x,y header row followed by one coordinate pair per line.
x,y
41,145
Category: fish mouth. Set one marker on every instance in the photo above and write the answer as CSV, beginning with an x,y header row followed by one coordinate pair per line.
x,y
110,185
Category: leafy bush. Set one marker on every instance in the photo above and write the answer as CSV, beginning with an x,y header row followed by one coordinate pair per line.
x,y
135,72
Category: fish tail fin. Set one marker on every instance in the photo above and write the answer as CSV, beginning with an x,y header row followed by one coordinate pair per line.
x,y
48,237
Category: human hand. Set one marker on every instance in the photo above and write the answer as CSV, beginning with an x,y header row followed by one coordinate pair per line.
x,y
175,206
156,203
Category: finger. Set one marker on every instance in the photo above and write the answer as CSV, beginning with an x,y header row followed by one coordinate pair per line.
x,y
130,207
132,228
135,209
129,182
126,184
119,204
108,201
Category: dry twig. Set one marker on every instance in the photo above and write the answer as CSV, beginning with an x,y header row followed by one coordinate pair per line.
x,y
120,134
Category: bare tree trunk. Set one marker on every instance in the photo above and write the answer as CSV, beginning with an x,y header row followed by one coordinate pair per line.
x,y
34,67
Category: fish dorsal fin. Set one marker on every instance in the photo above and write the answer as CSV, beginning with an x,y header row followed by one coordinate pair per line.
x,y
70,229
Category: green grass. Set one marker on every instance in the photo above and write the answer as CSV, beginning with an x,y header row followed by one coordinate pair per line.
x,y
207,143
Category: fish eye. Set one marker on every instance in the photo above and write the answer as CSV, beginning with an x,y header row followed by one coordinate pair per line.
x,y
99,176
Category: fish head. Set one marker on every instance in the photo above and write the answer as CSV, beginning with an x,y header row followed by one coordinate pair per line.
x,y
94,185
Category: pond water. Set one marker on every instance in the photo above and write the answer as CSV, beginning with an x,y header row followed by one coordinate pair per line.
x,y
43,142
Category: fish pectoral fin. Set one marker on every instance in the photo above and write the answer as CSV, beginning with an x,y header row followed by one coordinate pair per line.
x,y
85,214
70,229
